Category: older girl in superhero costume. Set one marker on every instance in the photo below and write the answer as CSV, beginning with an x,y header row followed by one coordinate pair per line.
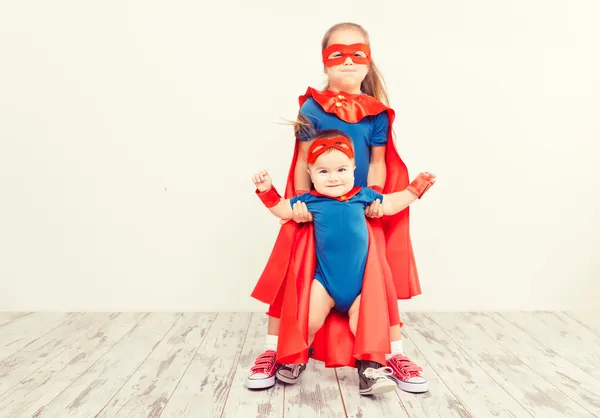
x,y
351,103
344,248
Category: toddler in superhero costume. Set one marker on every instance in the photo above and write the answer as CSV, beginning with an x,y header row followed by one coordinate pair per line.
x,y
342,244
355,102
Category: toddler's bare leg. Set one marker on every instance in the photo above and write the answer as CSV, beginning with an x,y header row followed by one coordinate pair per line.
x,y
353,317
353,314
320,305
372,377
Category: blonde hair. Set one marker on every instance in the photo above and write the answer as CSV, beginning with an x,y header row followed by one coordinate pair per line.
x,y
373,84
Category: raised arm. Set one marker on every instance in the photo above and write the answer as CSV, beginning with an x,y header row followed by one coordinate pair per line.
x,y
268,195
397,202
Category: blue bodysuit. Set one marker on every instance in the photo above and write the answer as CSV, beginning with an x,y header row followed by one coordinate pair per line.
x,y
370,131
342,242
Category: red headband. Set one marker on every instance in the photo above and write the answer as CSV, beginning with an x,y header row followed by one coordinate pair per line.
x,y
346,51
319,146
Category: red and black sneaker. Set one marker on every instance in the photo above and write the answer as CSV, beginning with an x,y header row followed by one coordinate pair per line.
x,y
407,374
373,378
262,373
290,373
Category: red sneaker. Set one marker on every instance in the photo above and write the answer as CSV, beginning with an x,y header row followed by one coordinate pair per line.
x,y
262,373
407,374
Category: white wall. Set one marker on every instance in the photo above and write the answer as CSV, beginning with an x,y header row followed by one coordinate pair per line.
x,y
130,130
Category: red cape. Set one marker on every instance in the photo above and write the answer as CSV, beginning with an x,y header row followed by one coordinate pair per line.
x,y
285,281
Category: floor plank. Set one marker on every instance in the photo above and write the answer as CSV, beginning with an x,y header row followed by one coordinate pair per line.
x,y
8,317
18,333
33,393
30,358
576,383
510,364
532,391
473,387
439,401
91,391
243,402
567,326
147,392
580,347
203,390
316,394
589,320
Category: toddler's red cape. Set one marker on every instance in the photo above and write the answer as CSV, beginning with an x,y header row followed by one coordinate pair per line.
x,y
285,281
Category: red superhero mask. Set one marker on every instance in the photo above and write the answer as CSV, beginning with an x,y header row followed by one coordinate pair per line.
x,y
346,51
319,146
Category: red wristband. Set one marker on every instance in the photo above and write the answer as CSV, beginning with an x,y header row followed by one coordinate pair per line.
x,y
269,197
420,185
378,189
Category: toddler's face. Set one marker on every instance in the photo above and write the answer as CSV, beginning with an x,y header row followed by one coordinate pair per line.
x,y
333,173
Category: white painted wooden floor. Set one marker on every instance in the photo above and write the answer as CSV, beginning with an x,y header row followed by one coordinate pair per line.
x,y
543,364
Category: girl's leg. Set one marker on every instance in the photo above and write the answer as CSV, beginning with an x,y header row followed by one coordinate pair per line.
x,y
406,373
272,326
395,333
320,306
262,372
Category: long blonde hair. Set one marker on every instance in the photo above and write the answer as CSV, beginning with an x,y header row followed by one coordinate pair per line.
x,y
373,84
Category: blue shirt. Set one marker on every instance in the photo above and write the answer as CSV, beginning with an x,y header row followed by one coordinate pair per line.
x,y
342,242
370,131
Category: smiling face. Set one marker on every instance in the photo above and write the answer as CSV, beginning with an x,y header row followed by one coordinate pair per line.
x,y
348,75
333,173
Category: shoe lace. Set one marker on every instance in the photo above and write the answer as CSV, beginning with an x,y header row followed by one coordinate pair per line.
x,y
406,366
264,362
382,372
296,369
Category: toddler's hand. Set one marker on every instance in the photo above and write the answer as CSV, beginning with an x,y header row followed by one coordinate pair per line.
x,y
422,183
374,210
262,181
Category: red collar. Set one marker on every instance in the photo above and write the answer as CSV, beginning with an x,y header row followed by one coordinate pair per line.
x,y
350,108
342,198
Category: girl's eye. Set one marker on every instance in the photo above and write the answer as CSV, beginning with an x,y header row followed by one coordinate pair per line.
x,y
360,54
323,171
342,169
335,55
